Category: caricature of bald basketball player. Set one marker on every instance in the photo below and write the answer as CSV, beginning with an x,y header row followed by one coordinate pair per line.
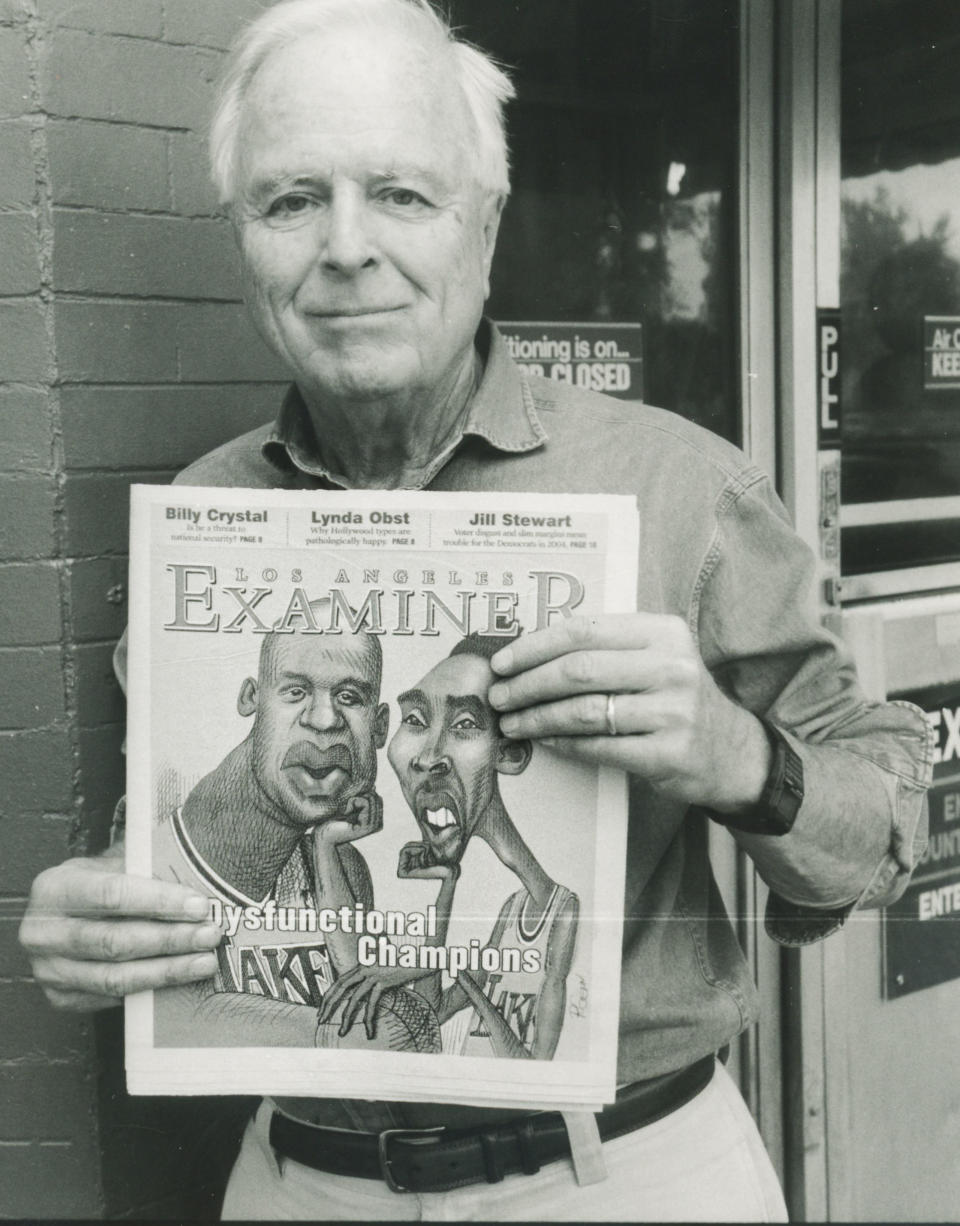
x,y
448,755
272,827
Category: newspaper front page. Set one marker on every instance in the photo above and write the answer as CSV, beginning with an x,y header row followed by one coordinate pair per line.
x,y
414,906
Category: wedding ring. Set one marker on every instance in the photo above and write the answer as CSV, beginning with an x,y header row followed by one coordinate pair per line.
x,y
610,716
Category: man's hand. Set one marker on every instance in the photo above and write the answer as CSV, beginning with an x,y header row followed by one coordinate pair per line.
x,y
673,725
94,934
362,988
361,815
417,861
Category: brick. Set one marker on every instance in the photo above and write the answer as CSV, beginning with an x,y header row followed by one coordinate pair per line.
x,y
42,764
117,342
159,427
102,773
29,604
29,845
25,432
214,23
23,343
33,1029
193,192
99,697
144,18
108,165
49,1181
98,511
26,517
18,184
14,10
15,96
51,1102
218,342
98,598
135,81
19,254
13,960
168,257
31,681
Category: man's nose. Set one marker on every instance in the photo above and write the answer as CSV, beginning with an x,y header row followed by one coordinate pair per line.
x,y
321,714
347,246
432,758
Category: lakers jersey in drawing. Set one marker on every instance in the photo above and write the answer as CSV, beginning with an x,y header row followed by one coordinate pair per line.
x,y
292,966
515,992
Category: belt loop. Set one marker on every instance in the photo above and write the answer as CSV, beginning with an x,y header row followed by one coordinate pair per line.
x,y
262,1124
586,1148
492,1165
529,1163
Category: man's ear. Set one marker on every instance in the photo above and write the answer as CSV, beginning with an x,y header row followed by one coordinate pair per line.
x,y
513,757
493,211
381,725
247,698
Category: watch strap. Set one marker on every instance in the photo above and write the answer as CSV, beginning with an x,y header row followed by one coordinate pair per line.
x,y
782,795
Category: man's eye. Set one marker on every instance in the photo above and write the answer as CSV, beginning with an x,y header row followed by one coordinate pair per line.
x,y
349,698
293,693
288,206
404,197
414,719
464,723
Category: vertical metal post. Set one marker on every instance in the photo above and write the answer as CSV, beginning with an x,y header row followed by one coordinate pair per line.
x,y
757,234
808,201
797,261
797,250
758,1056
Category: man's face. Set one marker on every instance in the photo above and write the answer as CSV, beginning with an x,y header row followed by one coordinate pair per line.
x,y
445,753
318,724
365,245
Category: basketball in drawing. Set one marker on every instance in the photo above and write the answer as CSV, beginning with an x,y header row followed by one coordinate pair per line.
x,y
404,1022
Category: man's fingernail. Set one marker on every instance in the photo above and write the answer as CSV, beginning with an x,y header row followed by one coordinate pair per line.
x,y
509,725
197,908
502,662
207,937
203,966
498,694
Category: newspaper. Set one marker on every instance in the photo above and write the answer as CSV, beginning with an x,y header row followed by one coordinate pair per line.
x,y
414,906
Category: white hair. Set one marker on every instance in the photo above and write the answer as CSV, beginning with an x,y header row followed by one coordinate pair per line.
x,y
484,84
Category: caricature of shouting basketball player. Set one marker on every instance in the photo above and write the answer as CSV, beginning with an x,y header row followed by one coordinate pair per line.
x,y
449,756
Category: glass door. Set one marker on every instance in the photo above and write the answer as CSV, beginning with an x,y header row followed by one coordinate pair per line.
x,y
900,288
624,209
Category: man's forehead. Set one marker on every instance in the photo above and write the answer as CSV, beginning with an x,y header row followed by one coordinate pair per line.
x,y
325,655
458,675
348,82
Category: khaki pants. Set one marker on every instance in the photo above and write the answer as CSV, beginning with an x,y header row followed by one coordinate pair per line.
x,y
705,1162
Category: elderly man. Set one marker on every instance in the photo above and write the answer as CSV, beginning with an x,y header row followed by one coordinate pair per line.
x,y
359,149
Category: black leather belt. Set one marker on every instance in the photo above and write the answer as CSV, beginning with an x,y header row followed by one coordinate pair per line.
x,y
436,1160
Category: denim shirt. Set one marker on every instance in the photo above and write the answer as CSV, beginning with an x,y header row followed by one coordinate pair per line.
x,y
716,549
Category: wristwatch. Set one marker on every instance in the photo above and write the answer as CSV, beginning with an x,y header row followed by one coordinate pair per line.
x,y
782,795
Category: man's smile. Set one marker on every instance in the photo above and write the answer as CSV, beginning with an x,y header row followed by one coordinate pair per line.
x,y
328,314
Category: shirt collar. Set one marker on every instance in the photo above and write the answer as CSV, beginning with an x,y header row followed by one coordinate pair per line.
x,y
502,413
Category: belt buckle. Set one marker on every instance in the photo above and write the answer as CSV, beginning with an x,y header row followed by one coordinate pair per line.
x,y
423,1136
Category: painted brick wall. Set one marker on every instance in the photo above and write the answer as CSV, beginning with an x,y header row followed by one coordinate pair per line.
x,y
124,354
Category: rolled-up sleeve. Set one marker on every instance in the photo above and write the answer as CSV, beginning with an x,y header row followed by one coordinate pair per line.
x,y
867,765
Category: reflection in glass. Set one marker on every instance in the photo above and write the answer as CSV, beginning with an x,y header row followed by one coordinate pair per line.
x,y
900,246
624,144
